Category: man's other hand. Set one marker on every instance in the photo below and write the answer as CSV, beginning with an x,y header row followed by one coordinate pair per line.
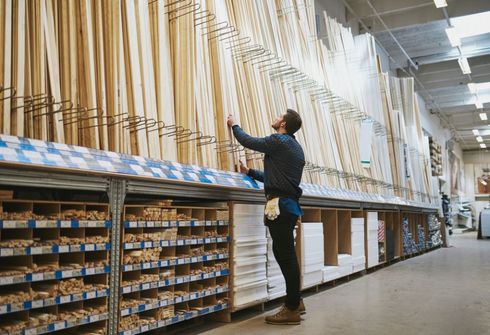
x,y
243,168
231,121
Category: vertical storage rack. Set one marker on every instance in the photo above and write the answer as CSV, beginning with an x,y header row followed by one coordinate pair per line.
x,y
134,261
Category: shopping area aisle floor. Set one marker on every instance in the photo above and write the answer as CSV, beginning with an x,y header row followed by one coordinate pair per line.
x,y
446,291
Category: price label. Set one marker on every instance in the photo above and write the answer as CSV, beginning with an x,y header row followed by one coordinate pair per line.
x,y
126,289
148,245
91,295
94,318
179,280
77,297
63,248
65,224
178,300
36,250
75,248
90,271
6,252
50,301
65,299
150,224
59,325
37,303
125,312
145,286
146,265
12,224
3,309
205,275
66,273
89,247
194,259
30,331
144,328
181,261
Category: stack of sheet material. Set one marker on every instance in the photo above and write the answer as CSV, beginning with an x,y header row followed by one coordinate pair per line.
x,y
409,245
346,264
330,273
276,286
250,255
372,239
312,255
421,233
357,241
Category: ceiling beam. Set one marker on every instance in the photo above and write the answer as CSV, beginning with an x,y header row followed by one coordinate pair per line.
x,y
468,51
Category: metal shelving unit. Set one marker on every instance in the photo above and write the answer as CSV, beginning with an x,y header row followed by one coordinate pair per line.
x,y
117,187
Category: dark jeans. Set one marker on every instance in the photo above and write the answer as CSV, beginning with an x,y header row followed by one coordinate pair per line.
x,y
281,230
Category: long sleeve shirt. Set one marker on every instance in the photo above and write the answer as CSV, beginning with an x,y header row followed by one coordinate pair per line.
x,y
284,161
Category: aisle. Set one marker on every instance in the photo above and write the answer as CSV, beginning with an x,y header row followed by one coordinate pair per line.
x,y
446,291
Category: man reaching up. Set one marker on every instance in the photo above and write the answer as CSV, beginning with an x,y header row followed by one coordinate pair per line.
x,y
284,161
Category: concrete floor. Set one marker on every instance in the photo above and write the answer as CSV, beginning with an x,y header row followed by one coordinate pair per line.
x,y
446,291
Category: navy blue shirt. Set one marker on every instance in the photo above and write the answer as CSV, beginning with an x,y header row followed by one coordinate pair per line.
x,y
284,161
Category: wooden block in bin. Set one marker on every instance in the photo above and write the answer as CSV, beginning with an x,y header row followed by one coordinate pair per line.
x,y
6,195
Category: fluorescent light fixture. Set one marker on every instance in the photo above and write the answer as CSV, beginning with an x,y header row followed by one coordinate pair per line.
x,y
440,3
483,145
463,64
483,116
472,25
477,88
473,88
452,34
476,132
479,139
478,104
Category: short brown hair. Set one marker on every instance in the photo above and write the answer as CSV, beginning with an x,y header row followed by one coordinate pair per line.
x,y
293,121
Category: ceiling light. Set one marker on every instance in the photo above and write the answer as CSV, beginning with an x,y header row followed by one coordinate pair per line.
x,y
483,116
472,25
440,3
472,87
478,104
483,145
463,64
452,34
479,139
476,132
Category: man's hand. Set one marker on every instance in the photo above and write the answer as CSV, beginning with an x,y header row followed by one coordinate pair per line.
x,y
231,121
243,168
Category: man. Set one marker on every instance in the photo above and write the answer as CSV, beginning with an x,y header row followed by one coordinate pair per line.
x,y
283,167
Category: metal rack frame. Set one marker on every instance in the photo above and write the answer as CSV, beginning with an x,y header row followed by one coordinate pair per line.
x,y
117,188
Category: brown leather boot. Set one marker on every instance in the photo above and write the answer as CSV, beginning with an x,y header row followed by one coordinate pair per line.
x,y
285,316
301,308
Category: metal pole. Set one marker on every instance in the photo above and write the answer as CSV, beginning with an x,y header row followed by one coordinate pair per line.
x,y
117,193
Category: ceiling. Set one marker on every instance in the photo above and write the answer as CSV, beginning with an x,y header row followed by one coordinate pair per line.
x,y
416,40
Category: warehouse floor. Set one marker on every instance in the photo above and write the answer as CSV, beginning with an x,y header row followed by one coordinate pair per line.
x,y
446,291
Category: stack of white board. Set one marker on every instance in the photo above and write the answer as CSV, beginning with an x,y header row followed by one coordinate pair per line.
x,y
330,273
357,241
250,255
372,239
312,255
346,264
